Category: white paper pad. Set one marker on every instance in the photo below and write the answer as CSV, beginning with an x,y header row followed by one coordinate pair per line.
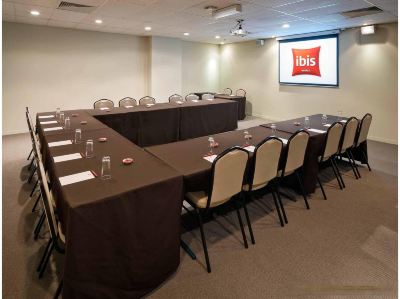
x,y
343,121
179,102
77,177
104,108
195,101
316,131
149,105
48,122
67,157
58,143
231,95
284,141
250,148
52,129
209,99
327,125
46,116
210,158
128,106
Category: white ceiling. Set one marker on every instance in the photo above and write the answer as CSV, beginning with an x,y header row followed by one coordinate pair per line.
x,y
171,18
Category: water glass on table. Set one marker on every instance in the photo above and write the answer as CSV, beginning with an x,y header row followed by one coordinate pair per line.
x,y
67,123
211,145
58,113
306,122
273,128
62,118
89,149
247,138
78,136
106,168
324,119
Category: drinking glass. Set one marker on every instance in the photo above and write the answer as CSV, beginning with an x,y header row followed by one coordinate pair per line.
x,y
89,149
324,119
78,136
306,122
340,114
211,144
106,168
62,118
58,113
273,128
246,138
67,123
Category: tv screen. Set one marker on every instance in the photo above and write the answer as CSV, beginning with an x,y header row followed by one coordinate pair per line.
x,y
309,61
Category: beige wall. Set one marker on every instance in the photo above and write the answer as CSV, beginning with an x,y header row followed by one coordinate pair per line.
x,y
368,81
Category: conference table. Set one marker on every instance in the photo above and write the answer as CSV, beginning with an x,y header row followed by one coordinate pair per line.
x,y
241,100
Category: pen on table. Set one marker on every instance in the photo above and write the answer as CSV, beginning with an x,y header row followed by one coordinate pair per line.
x,y
95,174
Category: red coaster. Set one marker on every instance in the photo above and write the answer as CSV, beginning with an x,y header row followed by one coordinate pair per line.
x,y
127,161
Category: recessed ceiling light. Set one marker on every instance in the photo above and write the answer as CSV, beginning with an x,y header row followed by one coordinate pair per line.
x,y
285,26
217,37
98,21
147,28
186,33
35,13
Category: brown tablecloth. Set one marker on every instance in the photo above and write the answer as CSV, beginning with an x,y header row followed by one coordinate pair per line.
x,y
239,99
122,234
315,146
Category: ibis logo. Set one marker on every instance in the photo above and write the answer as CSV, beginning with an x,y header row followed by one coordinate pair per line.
x,y
306,62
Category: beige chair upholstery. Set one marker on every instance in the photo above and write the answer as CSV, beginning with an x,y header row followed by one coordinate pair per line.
x,y
350,130
207,96
365,124
241,92
103,103
332,141
147,100
266,163
191,97
227,91
176,98
227,181
297,146
127,102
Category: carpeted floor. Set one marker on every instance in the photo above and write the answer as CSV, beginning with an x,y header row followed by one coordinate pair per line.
x,y
345,247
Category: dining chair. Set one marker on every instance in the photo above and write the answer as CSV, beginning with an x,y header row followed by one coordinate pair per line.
x,y
31,151
241,92
329,152
192,97
176,98
348,143
227,91
293,163
127,102
103,103
207,96
362,135
226,181
147,100
264,170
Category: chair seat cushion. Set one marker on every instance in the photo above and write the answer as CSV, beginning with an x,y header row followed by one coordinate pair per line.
x,y
199,198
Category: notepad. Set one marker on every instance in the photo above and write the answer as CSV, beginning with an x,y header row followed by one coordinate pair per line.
x,y
284,141
77,177
52,129
250,148
195,101
210,158
48,122
128,106
46,116
316,131
59,143
343,121
149,105
209,99
68,157
327,125
104,108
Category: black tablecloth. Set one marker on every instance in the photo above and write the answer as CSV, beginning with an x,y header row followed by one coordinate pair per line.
x,y
239,99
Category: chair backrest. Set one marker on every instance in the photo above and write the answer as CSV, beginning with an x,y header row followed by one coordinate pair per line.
x,y
147,100
266,160
364,128
176,98
350,130
241,92
207,96
127,102
332,140
227,177
297,146
191,97
31,127
103,103
227,91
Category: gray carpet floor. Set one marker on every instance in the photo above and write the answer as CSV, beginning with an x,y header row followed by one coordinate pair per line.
x,y
345,247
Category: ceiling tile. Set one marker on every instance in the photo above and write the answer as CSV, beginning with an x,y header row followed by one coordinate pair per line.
x,y
31,20
23,10
68,16
42,3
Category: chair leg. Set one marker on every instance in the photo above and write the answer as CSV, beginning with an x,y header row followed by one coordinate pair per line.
x,y
32,174
246,213
34,188
47,258
39,226
352,166
366,159
188,250
355,164
280,201
59,289
36,202
335,166
322,188
302,189
277,208
39,267
241,226
30,154
335,172
203,240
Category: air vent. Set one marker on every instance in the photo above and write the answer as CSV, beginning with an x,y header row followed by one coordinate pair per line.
x,y
361,12
64,5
